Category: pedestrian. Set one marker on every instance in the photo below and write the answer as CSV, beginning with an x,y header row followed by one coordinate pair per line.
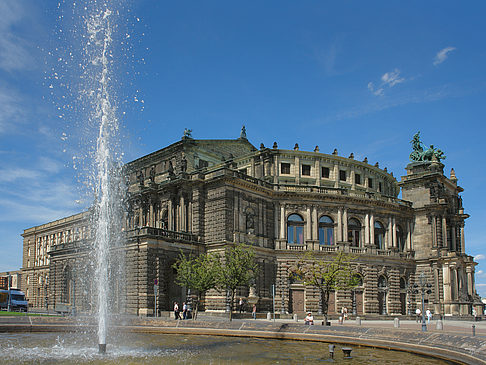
x,y
240,304
253,311
309,319
184,310
344,312
176,311
418,313
428,313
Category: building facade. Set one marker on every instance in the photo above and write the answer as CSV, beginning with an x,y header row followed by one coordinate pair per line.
x,y
199,196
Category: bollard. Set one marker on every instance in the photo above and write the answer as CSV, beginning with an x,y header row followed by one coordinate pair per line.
x,y
269,316
295,317
396,323
358,321
331,350
439,325
347,352
474,330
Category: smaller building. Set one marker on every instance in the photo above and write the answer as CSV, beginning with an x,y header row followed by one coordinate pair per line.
x,y
15,278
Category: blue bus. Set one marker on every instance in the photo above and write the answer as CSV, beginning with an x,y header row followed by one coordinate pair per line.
x,y
16,298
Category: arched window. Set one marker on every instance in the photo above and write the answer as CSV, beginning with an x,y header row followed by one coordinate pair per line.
x,y
382,282
400,239
164,222
354,230
326,230
358,280
403,283
379,236
295,229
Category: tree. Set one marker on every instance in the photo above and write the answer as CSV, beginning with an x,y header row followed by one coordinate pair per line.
x,y
237,268
196,273
326,275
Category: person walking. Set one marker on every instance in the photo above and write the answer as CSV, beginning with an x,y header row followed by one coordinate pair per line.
x,y
428,313
176,311
240,305
184,310
253,311
418,314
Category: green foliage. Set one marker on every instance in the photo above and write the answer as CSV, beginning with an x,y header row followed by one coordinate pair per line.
x,y
326,275
196,273
236,268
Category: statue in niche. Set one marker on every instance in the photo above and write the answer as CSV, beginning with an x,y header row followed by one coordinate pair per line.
x,y
170,170
152,174
250,221
421,154
140,178
183,164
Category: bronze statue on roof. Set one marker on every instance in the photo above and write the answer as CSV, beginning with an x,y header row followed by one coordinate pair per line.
x,y
420,154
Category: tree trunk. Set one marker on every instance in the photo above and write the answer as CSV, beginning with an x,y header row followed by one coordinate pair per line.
x,y
232,297
325,304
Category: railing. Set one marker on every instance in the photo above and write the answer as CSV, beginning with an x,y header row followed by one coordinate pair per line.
x,y
342,247
165,233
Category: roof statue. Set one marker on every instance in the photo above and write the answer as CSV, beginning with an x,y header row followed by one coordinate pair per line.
x,y
427,154
187,133
243,132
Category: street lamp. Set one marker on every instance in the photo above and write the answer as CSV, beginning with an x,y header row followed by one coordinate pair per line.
x,y
423,287
9,294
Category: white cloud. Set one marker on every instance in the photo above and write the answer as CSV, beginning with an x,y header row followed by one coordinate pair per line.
x,y
442,55
392,78
388,80
479,257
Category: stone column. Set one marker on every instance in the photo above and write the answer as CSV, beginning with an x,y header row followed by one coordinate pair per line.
x,y
189,220
389,234
282,222
276,233
463,241
470,281
446,279
318,172
315,227
353,182
445,244
336,176
453,238
297,171
372,230
409,236
308,230
434,232
277,170
394,233
252,172
340,226
367,230
345,225
170,216
151,221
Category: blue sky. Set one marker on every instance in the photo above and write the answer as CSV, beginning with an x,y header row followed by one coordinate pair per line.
x,y
361,77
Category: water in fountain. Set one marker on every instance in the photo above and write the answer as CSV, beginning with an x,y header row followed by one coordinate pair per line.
x,y
108,212
87,72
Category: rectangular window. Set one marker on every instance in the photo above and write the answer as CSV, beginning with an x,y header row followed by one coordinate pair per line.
x,y
370,183
342,175
357,179
285,168
306,170
380,186
325,172
244,171
295,234
326,236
